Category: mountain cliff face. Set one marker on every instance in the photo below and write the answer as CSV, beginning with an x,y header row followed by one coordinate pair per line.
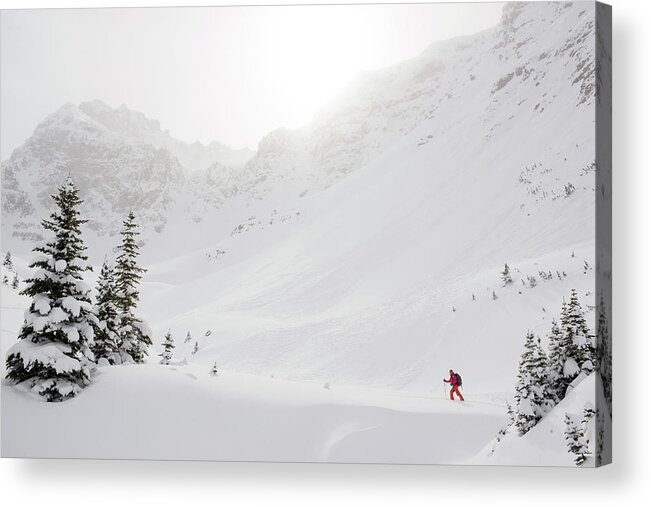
x,y
137,128
114,174
119,159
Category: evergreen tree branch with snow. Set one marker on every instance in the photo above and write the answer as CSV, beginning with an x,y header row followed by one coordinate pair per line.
x,y
53,353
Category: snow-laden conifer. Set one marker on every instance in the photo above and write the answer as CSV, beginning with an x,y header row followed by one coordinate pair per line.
x,y
577,443
533,398
506,275
571,349
107,338
53,353
168,345
135,335
578,337
8,262
557,358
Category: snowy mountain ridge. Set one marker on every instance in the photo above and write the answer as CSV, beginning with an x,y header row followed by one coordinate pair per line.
x,y
136,127
120,159
480,74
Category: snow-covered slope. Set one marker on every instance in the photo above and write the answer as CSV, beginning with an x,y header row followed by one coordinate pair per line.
x,y
484,155
545,444
475,85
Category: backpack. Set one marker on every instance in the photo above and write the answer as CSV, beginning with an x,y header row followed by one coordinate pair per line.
x,y
458,379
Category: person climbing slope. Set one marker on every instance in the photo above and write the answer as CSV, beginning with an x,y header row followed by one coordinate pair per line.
x,y
455,382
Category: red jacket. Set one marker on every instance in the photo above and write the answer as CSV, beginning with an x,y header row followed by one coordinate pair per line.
x,y
453,379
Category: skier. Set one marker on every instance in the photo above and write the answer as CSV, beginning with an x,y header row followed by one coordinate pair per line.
x,y
455,382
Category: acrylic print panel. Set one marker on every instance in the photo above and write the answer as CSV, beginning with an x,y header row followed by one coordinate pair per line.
x,y
370,234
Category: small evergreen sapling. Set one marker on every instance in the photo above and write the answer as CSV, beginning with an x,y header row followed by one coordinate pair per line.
x,y
188,338
213,371
8,262
53,355
196,348
168,345
577,443
506,275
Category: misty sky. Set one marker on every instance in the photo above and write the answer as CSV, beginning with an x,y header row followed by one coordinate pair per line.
x,y
229,74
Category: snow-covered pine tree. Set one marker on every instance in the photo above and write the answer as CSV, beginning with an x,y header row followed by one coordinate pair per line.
x,y
53,353
494,296
577,339
506,275
135,335
196,348
577,443
8,262
557,358
571,351
107,338
15,282
533,398
168,345
188,338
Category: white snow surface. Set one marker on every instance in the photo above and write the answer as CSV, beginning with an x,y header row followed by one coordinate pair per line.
x,y
184,412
